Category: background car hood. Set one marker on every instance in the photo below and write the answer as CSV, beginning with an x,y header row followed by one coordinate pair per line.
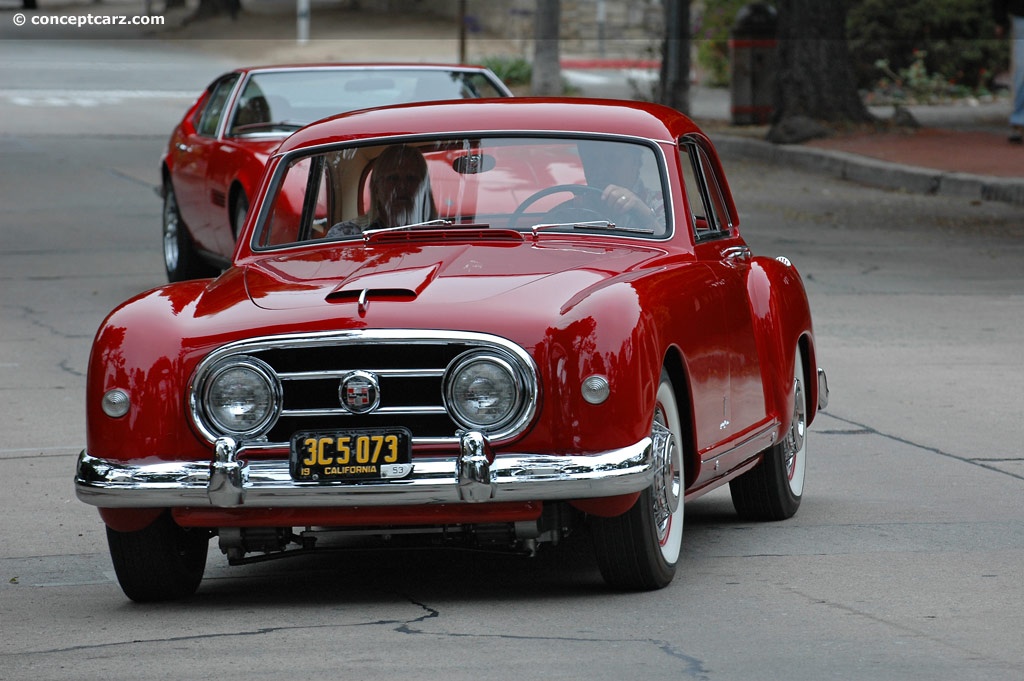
x,y
544,273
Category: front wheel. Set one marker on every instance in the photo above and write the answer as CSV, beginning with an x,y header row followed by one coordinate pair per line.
x,y
161,562
773,490
639,549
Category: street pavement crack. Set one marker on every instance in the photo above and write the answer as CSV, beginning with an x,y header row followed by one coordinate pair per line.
x,y
692,667
863,429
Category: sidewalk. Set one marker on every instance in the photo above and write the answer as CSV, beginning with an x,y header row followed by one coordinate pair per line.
x,y
959,150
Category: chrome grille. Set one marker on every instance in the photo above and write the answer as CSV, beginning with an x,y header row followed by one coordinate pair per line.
x,y
410,366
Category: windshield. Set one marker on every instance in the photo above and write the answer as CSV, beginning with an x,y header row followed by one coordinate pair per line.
x,y
300,97
522,183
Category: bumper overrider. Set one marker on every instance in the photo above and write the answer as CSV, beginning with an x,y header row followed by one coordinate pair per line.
x,y
474,475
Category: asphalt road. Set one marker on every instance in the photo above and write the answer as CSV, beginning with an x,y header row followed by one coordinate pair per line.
x,y
904,561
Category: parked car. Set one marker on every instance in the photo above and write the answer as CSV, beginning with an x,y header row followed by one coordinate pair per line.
x,y
549,352
215,155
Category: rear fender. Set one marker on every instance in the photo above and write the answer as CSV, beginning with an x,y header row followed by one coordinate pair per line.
x,y
782,324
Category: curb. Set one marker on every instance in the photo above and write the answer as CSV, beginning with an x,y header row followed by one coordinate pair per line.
x,y
875,173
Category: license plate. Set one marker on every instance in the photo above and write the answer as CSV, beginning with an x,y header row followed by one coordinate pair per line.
x,y
351,455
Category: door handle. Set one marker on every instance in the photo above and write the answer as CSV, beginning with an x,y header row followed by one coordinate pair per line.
x,y
736,254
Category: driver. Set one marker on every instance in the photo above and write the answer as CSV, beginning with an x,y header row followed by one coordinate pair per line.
x,y
614,168
399,193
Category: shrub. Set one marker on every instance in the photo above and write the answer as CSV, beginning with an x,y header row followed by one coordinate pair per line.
x,y
513,71
710,33
949,39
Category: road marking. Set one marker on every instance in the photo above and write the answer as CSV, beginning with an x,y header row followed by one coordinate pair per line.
x,y
87,98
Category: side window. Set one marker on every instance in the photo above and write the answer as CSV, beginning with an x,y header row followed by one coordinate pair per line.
x,y
709,213
209,120
302,205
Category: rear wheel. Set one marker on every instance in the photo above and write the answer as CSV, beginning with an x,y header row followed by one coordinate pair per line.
x,y
639,549
162,562
773,490
181,259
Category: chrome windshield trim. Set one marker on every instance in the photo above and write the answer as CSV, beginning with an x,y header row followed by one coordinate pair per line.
x,y
433,480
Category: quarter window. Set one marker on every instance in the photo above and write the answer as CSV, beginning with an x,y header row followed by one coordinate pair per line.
x,y
214,109
709,213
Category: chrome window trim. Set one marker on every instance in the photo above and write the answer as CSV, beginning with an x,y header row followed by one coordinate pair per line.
x,y
658,146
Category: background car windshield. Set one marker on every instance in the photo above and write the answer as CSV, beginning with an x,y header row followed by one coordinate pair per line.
x,y
301,97
564,184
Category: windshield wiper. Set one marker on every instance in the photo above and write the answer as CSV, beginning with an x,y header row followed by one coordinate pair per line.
x,y
591,224
440,222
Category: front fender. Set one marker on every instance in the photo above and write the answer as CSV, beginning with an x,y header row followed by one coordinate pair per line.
x,y
607,333
140,349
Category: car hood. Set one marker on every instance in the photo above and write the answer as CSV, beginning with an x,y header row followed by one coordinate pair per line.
x,y
434,276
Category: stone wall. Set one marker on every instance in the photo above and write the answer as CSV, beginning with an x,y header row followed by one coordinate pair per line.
x,y
631,28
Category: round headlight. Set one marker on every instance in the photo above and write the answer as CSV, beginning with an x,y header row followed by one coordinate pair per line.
x,y
483,392
242,397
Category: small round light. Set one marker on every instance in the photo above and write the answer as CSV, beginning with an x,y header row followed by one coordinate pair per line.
x,y
595,389
241,397
116,403
483,392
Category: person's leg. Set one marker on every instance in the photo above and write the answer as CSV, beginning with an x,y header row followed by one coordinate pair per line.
x,y
1017,114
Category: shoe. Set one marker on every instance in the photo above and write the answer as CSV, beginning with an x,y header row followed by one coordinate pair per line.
x,y
1016,136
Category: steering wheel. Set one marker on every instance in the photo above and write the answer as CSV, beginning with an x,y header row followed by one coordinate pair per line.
x,y
575,189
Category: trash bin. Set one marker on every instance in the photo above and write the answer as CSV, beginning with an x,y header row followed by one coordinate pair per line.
x,y
753,43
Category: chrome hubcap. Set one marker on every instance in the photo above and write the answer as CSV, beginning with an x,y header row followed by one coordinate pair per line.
x,y
794,442
667,480
171,233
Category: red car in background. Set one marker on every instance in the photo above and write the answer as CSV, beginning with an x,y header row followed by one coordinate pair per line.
x,y
216,154
548,352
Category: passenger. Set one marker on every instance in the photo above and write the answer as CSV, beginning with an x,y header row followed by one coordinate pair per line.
x,y
399,193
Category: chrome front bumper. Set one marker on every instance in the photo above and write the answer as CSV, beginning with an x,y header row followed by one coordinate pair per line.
x,y
475,475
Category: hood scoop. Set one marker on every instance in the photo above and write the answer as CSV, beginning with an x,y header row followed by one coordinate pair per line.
x,y
396,285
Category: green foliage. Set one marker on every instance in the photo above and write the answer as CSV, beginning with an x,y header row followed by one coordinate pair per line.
x,y
513,71
946,42
912,49
711,36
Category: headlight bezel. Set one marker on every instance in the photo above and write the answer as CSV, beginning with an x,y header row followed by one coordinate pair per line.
x,y
203,414
519,412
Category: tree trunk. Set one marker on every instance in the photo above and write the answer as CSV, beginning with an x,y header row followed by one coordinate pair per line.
x,y
212,8
546,78
815,78
674,83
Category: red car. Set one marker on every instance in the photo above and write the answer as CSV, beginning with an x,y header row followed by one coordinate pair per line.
x,y
576,338
216,154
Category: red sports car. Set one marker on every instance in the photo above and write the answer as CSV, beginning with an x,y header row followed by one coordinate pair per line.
x,y
217,152
482,323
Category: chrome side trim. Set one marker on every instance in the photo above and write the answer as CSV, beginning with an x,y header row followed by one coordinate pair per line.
x,y
231,482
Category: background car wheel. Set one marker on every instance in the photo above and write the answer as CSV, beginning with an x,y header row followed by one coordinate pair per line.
x,y
238,217
181,259
773,490
639,549
162,562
